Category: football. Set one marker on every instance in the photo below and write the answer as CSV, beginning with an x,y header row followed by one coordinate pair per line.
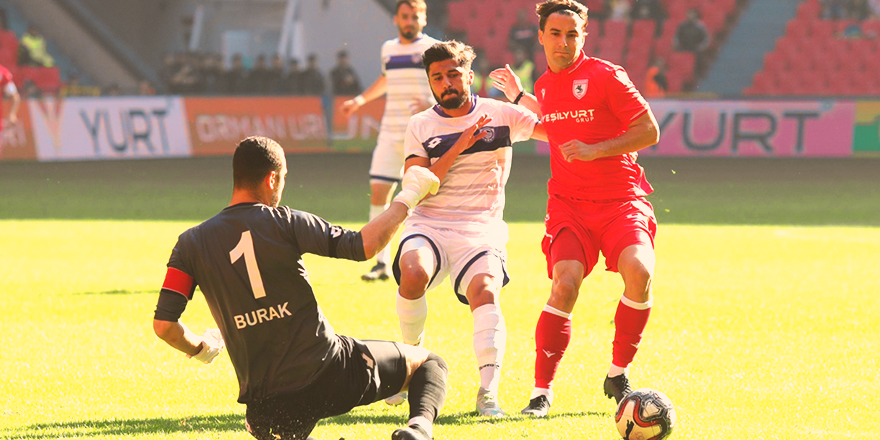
x,y
645,414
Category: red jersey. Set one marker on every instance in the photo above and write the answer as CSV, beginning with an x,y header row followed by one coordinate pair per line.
x,y
5,79
591,101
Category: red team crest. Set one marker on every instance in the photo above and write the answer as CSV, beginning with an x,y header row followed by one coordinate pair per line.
x,y
579,88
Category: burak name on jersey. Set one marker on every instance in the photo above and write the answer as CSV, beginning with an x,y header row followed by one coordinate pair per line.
x,y
577,115
260,316
497,137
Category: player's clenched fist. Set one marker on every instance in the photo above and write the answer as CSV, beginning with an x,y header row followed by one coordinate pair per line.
x,y
417,183
212,345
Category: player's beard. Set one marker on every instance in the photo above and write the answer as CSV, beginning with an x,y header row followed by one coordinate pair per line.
x,y
453,101
408,33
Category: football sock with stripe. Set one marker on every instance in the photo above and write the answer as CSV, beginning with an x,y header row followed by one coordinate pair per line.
x,y
490,338
552,335
412,314
629,323
427,392
384,256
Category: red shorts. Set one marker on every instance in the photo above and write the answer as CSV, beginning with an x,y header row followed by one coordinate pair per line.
x,y
609,226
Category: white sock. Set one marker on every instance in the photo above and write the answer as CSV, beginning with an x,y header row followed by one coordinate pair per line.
x,y
412,314
542,392
490,338
384,256
423,423
615,371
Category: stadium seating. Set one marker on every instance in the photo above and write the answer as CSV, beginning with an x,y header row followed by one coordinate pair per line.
x,y
486,24
813,58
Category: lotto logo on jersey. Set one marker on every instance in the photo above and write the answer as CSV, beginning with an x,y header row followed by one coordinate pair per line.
x,y
579,116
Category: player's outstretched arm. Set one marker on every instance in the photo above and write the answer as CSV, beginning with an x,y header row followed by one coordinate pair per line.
x,y
417,183
377,89
510,84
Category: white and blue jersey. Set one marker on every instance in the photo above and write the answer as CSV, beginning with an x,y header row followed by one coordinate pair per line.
x,y
472,193
406,82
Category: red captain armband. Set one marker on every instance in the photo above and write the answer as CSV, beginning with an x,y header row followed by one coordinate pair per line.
x,y
179,281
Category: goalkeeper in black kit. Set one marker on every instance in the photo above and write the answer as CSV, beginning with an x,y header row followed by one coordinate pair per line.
x,y
292,368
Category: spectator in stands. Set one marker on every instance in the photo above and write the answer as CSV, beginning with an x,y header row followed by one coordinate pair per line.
x,y
522,34
258,78
185,80
74,88
343,77
524,68
833,9
312,79
33,50
293,79
858,10
619,9
210,74
234,79
648,10
482,84
114,89
692,36
275,76
655,80
145,88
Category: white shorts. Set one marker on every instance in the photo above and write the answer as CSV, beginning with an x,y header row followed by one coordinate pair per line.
x,y
460,254
387,164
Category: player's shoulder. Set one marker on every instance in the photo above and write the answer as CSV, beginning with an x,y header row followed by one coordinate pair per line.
x,y
601,67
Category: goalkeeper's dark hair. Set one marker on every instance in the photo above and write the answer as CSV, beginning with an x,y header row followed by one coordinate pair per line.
x,y
550,7
449,50
254,158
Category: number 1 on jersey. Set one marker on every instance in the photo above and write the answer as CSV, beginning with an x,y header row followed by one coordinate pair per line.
x,y
245,247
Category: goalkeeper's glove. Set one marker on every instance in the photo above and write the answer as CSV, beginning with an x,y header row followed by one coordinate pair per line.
x,y
417,183
212,344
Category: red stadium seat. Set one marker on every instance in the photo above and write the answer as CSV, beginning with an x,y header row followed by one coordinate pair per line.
x,y
643,30
46,78
809,9
823,29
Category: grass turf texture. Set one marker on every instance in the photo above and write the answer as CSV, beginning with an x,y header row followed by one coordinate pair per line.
x,y
765,322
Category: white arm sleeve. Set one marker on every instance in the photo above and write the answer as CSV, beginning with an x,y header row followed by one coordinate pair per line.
x,y
10,89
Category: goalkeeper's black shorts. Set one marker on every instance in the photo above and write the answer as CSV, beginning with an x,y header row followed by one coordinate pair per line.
x,y
362,373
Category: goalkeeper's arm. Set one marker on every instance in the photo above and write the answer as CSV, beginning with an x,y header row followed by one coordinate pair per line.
x,y
203,348
417,183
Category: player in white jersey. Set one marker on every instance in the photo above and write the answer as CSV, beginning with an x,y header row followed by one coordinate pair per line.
x,y
460,231
407,92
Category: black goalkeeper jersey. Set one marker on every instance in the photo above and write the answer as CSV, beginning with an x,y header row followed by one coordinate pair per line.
x,y
248,262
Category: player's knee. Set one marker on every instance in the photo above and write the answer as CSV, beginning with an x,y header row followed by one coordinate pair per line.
x,y
437,362
637,275
565,288
414,279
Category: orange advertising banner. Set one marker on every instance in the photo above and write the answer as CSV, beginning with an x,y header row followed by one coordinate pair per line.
x,y
216,125
359,131
17,141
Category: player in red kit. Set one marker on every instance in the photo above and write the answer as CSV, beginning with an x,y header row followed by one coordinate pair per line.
x,y
8,89
596,121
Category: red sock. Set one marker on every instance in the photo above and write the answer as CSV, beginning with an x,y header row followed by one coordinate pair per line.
x,y
629,323
552,335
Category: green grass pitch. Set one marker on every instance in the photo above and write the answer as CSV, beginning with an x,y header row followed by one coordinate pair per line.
x,y
765,323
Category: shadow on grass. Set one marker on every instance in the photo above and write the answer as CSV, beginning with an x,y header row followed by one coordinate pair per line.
x,y
120,292
235,423
456,418
126,427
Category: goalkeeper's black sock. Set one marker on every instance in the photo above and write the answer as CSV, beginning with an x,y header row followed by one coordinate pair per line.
x,y
427,391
